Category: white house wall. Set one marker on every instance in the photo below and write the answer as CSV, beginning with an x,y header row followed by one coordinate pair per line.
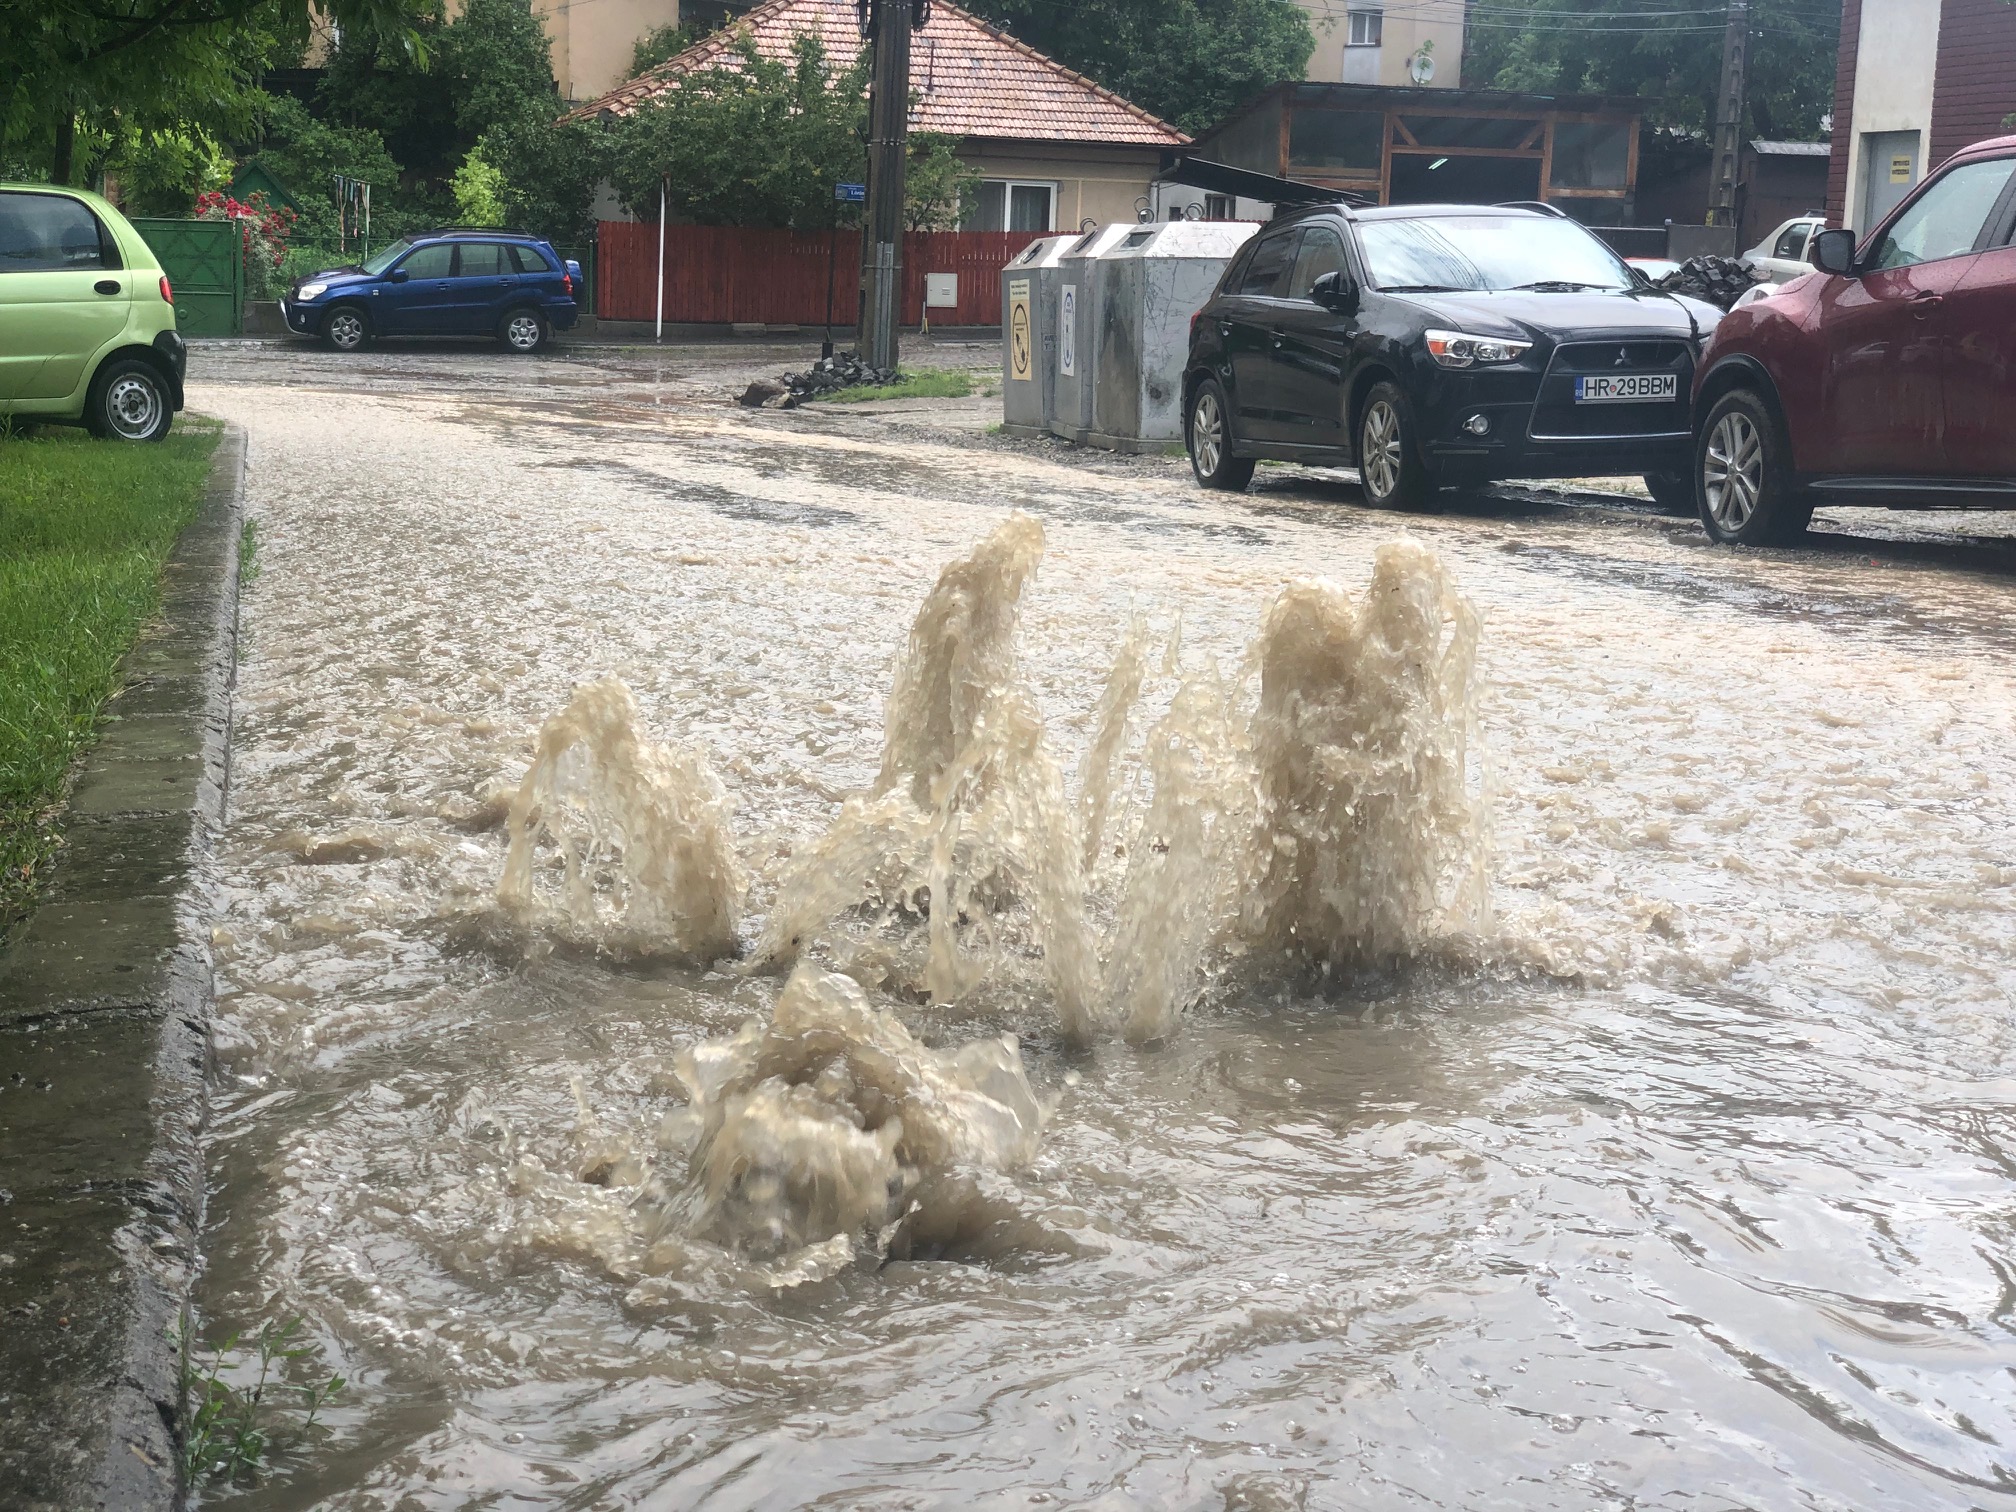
x,y
1897,53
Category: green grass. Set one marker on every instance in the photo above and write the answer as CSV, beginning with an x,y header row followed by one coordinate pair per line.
x,y
938,383
84,528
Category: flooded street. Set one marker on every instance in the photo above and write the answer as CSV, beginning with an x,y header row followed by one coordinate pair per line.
x,y
1684,1179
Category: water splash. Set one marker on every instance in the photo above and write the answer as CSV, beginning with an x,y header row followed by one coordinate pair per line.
x,y
1371,835
821,1126
1335,816
969,825
641,833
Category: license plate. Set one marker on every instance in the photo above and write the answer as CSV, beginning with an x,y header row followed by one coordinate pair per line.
x,y
1626,388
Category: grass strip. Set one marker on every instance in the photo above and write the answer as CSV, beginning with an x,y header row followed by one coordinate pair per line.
x,y
84,528
937,383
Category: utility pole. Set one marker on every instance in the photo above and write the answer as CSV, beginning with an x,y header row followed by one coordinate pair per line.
x,y
1729,108
888,25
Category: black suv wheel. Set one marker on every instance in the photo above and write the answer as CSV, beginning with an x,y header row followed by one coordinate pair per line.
x,y
1389,461
1748,496
1209,435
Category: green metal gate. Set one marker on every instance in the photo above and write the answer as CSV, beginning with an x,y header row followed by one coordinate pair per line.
x,y
205,264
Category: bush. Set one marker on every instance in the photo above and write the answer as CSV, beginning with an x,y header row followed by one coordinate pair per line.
x,y
264,231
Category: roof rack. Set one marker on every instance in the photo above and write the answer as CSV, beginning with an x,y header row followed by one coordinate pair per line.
x,y
1540,205
477,231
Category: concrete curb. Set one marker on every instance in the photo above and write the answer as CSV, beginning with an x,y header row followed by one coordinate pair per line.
x,y
105,1005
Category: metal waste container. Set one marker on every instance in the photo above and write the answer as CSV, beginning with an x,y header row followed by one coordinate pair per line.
x,y
1078,328
1146,287
1029,337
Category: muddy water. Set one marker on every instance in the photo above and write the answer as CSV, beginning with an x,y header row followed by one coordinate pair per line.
x,y
1700,1193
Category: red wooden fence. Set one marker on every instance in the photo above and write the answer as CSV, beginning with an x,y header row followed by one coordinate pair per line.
x,y
724,274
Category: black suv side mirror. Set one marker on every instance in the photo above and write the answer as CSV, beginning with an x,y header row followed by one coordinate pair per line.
x,y
1335,291
1833,251
397,275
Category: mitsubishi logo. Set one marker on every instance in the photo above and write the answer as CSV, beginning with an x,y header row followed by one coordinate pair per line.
x,y
1623,357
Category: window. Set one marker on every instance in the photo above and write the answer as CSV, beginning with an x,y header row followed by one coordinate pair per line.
x,y
1452,252
1591,155
529,260
1009,205
42,233
1792,245
1366,28
1322,252
1218,207
482,260
1272,259
1945,220
431,261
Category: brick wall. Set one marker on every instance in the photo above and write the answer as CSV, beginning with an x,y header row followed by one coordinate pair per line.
x,y
1974,86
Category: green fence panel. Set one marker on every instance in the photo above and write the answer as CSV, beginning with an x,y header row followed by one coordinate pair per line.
x,y
205,264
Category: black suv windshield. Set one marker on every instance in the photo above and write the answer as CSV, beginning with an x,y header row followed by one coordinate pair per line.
x,y
386,256
1475,252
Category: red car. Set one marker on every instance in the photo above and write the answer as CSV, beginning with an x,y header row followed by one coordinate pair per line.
x,y
1886,377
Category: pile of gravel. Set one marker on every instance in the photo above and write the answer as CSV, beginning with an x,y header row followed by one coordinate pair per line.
x,y
846,370
1719,280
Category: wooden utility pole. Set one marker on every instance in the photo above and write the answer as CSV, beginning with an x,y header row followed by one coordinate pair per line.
x,y
889,24
1729,108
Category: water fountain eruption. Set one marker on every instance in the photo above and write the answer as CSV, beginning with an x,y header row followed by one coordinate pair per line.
x,y
1331,817
647,858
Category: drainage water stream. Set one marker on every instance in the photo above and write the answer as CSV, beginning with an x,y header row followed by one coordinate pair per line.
x,y
1673,1169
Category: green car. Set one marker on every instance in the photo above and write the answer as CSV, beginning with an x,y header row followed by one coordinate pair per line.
x,y
87,320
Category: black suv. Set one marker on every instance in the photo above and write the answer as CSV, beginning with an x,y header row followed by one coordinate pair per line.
x,y
1441,346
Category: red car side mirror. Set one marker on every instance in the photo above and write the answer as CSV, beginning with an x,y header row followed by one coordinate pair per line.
x,y
1833,252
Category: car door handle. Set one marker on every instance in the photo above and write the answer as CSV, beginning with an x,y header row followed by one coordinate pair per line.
x,y
106,286
1924,304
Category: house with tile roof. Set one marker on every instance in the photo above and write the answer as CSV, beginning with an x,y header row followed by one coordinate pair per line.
x,y
1053,149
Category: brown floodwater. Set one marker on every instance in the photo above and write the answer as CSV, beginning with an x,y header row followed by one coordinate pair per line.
x,y
1675,1169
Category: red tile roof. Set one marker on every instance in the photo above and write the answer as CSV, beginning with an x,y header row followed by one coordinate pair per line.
x,y
971,80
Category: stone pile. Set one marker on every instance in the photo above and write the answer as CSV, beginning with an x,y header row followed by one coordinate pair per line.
x,y
845,370
1719,280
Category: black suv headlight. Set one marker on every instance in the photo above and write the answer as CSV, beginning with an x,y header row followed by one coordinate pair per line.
x,y
1458,349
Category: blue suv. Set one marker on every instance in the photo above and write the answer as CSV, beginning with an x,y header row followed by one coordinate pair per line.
x,y
460,281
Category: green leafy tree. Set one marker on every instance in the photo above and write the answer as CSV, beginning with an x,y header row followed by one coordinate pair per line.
x,y
935,183
434,103
761,144
1189,61
1671,57
549,173
479,192
162,172
79,73
306,154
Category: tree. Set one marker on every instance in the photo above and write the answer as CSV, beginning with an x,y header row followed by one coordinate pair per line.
x,y
666,43
479,192
1189,61
306,154
759,144
434,103
935,183
1673,57
549,173
79,70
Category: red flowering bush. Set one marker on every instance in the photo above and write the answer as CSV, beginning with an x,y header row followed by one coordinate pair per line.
x,y
264,229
